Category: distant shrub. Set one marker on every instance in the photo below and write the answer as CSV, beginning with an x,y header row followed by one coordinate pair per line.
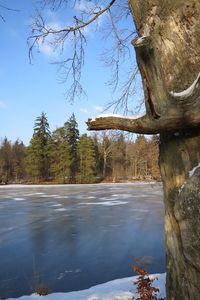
x,y
42,290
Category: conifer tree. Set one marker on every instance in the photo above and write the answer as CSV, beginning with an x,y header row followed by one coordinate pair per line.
x,y
38,151
18,153
60,156
6,163
87,160
72,136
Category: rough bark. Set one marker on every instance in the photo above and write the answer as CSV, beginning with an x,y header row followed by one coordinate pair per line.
x,y
178,156
168,52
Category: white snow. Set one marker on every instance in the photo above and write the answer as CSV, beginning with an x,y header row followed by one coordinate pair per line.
x,y
188,91
118,116
105,203
60,209
19,199
140,40
191,173
193,170
56,205
38,193
119,289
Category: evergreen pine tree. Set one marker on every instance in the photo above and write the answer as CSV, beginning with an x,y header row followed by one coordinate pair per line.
x,y
6,161
87,160
18,153
60,156
72,136
38,151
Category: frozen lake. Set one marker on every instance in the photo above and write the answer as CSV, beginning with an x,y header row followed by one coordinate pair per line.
x,y
75,236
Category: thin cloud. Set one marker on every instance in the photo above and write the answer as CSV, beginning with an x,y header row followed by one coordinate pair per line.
x,y
89,8
2,105
84,110
47,45
85,6
98,108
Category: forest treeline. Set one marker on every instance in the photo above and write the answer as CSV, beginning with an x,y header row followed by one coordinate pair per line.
x,y
63,156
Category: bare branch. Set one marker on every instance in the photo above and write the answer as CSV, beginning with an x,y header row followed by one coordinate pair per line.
x,y
43,31
128,90
135,124
179,117
6,8
2,18
56,38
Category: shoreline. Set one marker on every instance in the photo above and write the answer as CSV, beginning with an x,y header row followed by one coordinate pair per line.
x,y
78,184
120,289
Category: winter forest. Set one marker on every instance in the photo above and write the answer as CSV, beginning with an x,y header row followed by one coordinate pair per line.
x,y
65,156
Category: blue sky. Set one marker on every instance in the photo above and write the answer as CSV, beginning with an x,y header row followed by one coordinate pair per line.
x,y
28,89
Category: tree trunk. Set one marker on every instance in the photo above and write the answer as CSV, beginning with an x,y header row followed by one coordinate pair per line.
x,y
104,163
170,62
179,161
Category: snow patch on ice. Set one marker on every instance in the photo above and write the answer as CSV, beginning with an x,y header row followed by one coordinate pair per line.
x,y
56,205
122,195
19,199
63,274
38,193
105,203
60,209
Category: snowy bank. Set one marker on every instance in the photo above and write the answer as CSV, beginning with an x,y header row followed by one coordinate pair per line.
x,y
119,289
